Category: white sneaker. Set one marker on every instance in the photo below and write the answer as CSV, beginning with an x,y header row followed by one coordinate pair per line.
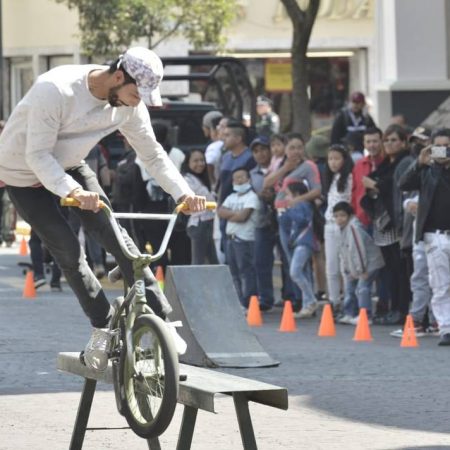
x,y
180,343
96,353
346,319
354,321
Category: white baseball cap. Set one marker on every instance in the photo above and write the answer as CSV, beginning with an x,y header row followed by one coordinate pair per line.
x,y
146,68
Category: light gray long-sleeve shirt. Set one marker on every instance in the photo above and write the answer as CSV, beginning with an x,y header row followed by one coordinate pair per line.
x,y
59,121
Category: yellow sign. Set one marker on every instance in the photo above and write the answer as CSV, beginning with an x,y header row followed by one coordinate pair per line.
x,y
278,75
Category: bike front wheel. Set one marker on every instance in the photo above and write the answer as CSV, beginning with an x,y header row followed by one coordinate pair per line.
x,y
149,379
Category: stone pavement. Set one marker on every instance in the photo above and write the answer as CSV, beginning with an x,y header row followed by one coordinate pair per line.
x,y
343,394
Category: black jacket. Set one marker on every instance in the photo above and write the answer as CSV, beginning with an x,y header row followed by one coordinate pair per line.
x,y
423,179
389,194
343,125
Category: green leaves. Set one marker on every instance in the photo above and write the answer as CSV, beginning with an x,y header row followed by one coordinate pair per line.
x,y
108,27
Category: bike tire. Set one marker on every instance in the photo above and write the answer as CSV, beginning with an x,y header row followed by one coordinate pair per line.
x,y
147,414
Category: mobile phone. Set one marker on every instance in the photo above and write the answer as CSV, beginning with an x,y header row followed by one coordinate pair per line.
x,y
440,151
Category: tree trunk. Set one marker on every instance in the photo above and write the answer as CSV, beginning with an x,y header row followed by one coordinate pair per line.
x,y
301,115
302,23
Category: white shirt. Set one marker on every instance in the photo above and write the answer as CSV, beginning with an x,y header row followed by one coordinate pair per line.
x,y
334,196
57,123
199,189
243,230
213,154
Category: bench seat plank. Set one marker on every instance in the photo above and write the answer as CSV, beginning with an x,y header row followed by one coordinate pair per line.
x,y
200,386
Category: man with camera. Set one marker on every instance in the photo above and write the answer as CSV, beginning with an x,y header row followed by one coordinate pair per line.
x,y
430,174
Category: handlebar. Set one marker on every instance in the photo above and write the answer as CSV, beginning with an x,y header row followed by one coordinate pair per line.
x,y
171,218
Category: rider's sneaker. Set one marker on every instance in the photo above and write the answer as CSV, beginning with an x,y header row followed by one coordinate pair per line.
x,y
96,353
180,343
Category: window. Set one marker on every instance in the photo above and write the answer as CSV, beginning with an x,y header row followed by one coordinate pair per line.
x,y
22,78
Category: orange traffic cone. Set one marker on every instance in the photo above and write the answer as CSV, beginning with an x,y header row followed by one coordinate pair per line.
x,y
160,277
287,319
23,251
362,332
254,318
409,335
29,291
327,328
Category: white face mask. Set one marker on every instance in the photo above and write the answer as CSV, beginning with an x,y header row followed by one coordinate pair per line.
x,y
241,188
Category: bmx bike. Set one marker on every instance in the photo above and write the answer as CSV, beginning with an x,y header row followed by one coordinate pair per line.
x,y
143,354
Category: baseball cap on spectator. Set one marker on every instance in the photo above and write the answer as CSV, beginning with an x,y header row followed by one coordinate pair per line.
x,y
144,66
260,140
317,146
263,100
357,97
207,121
420,133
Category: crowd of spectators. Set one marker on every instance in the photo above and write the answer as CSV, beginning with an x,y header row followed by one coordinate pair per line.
x,y
358,220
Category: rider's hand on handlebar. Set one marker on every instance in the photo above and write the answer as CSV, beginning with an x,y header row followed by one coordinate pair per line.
x,y
88,200
195,203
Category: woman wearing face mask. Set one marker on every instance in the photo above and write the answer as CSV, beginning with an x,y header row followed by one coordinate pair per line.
x,y
200,225
239,210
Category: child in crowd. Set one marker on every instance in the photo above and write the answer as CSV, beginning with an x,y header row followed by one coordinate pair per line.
x,y
239,210
200,225
361,261
297,224
277,145
337,188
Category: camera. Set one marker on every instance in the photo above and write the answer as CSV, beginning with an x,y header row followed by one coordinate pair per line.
x,y
440,152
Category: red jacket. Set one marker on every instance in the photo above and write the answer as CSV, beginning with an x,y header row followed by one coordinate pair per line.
x,y
362,168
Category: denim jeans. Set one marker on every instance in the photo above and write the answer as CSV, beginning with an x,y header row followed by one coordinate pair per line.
x,y
38,207
265,239
301,273
358,294
290,285
203,249
240,259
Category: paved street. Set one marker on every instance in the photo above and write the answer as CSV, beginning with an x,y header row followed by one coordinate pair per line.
x,y
343,394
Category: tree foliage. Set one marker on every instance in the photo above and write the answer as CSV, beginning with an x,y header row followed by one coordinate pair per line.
x,y
303,15
109,26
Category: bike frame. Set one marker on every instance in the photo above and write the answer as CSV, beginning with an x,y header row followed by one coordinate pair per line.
x,y
135,297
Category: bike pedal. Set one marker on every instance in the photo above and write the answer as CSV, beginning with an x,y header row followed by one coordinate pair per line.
x,y
182,377
81,358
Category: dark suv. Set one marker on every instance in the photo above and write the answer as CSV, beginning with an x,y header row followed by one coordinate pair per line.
x,y
222,83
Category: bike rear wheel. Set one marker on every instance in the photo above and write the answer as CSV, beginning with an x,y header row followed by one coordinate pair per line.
x,y
150,384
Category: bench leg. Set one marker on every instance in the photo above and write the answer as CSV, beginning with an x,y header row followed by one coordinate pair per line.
x,y
245,421
84,409
187,428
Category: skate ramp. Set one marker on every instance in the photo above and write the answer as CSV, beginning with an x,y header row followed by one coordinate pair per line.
x,y
214,325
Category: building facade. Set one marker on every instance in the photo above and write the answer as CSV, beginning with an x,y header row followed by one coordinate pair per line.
x,y
396,51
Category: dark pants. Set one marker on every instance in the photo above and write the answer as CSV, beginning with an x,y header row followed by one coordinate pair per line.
x,y
397,280
240,260
203,249
38,207
37,261
264,244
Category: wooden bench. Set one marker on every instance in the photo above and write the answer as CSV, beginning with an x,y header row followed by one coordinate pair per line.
x,y
198,391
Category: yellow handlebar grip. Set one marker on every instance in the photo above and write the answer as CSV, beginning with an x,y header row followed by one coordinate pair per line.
x,y
184,207
68,201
